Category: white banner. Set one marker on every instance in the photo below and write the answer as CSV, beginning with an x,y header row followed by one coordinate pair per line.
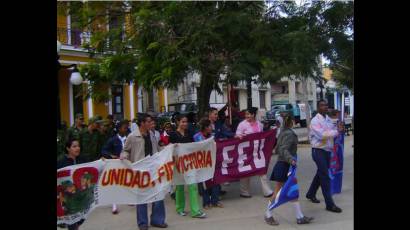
x,y
82,187
194,162
145,181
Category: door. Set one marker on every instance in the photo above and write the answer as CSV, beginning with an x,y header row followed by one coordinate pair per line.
x,y
78,99
117,102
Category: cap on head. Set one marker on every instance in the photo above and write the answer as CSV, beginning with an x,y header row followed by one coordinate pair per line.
x,y
96,119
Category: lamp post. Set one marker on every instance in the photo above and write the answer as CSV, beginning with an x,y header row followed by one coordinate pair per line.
x,y
75,79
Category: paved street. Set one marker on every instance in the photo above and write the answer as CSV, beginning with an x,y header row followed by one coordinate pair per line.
x,y
248,214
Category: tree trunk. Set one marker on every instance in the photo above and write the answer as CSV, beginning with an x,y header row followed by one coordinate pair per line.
x,y
249,91
204,93
306,101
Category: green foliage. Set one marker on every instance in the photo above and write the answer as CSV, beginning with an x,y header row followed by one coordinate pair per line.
x,y
168,40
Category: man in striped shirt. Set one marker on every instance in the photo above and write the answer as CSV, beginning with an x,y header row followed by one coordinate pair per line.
x,y
322,133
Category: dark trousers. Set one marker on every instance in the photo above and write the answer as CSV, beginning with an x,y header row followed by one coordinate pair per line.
x,y
211,195
322,179
157,215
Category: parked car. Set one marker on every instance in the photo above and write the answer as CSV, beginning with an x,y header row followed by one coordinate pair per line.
x,y
179,108
276,109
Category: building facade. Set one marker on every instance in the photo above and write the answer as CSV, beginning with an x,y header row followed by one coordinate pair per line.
x,y
126,100
291,91
339,98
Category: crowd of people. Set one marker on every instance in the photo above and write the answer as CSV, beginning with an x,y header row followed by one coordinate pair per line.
x,y
108,139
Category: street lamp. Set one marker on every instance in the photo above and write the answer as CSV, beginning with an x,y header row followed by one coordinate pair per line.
x,y
76,78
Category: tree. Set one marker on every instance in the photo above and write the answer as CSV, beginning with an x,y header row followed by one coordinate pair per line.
x,y
222,41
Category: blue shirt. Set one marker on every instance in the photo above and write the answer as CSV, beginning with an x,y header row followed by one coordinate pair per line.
x,y
199,137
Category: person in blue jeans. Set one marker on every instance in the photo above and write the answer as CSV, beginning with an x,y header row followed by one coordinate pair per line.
x,y
137,146
210,196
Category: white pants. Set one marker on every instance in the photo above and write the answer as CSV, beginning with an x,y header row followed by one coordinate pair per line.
x,y
245,185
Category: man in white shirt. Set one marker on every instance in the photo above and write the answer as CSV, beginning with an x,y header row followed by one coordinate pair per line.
x,y
322,133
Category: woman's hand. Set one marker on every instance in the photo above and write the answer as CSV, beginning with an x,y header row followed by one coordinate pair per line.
x,y
272,198
341,127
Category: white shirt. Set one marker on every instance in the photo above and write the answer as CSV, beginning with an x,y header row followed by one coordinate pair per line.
x,y
123,139
280,119
322,132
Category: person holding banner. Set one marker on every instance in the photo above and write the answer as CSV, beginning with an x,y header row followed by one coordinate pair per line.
x,y
181,135
210,196
137,146
112,149
248,126
322,134
219,131
72,148
286,149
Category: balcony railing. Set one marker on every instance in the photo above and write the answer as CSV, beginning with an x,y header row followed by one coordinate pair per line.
x,y
72,37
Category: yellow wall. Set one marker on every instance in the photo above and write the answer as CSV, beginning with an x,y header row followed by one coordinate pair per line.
x,y
161,99
127,110
136,99
62,24
63,83
100,109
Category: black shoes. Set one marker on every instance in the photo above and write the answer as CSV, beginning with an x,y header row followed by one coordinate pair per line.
x,y
268,196
164,225
313,199
334,208
245,196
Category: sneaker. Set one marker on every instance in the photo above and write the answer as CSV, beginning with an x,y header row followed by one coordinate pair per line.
x,y
269,196
304,220
207,207
218,205
271,221
201,215
182,213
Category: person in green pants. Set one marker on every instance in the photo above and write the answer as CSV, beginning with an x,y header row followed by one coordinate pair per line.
x,y
181,135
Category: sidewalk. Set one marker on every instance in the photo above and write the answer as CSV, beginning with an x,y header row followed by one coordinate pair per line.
x,y
248,214
302,134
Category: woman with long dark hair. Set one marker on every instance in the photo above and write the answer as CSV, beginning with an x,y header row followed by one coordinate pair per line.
x,y
72,149
181,135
